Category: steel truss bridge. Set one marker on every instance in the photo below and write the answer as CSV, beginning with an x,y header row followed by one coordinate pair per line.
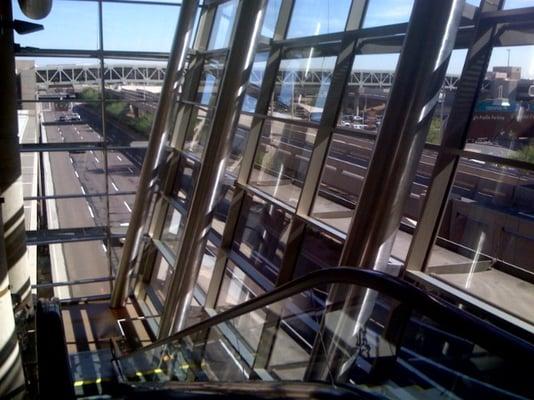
x,y
51,75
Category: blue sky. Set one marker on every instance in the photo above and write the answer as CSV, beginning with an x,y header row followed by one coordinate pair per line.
x,y
141,27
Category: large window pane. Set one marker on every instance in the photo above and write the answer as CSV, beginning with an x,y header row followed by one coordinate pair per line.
x,y
315,17
503,120
186,177
139,27
260,240
161,279
210,81
367,93
301,87
282,160
237,287
490,215
254,83
239,142
271,17
387,12
223,25
70,25
342,180
173,229
198,131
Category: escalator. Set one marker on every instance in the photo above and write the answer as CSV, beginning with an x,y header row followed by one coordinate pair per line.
x,y
391,340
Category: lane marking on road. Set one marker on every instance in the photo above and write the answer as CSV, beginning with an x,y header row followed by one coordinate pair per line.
x,y
114,186
127,206
76,173
83,190
119,158
71,160
81,137
91,151
90,211
97,160
105,248
131,170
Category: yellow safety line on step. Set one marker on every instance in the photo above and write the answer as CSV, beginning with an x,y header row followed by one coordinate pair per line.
x,y
87,382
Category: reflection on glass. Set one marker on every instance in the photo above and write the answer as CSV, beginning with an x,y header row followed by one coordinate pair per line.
x,y
367,93
389,353
161,278
254,83
223,25
446,97
206,267
342,180
271,16
387,12
237,287
260,239
198,131
315,17
220,213
282,160
342,183
302,86
210,81
173,229
186,177
319,250
509,4
503,120
239,142
491,216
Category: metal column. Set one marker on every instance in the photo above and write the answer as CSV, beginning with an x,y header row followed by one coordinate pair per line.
x,y
11,372
241,56
454,138
10,168
158,135
399,145
425,55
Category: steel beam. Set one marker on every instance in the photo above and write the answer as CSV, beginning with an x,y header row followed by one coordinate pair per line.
x,y
241,56
454,138
158,134
393,165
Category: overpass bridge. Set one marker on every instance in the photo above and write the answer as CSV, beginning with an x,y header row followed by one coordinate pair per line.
x,y
51,75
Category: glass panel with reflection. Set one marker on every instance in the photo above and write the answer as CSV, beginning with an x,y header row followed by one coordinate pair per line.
x,y
282,160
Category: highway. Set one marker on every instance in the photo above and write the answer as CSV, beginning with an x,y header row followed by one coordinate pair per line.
x,y
74,173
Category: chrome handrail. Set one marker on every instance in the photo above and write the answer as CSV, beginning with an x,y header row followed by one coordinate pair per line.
x,y
484,333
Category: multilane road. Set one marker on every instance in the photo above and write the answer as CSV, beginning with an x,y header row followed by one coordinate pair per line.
x,y
83,173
